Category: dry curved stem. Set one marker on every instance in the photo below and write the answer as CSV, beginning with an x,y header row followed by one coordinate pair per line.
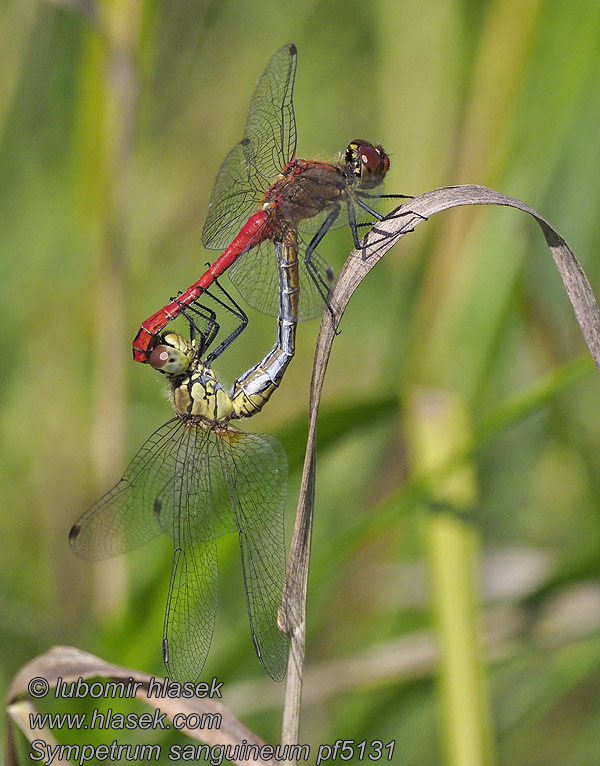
x,y
71,664
375,245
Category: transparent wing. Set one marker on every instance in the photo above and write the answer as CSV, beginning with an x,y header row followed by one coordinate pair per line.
x,y
200,502
124,518
191,609
233,199
271,125
189,505
269,143
255,275
193,506
255,468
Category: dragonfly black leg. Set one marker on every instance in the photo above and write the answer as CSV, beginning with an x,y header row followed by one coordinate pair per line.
x,y
386,235
371,211
192,314
360,198
231,305
322,286
397,196
354,226
195,311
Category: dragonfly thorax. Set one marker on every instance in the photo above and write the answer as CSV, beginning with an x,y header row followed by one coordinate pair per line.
x,y
199,396
304,189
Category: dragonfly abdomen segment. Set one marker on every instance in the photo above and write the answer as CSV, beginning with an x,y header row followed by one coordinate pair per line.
x,y
253,389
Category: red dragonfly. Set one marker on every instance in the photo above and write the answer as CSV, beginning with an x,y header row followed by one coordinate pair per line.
x,y
263,193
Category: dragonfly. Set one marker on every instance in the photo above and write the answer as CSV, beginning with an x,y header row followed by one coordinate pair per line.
x,y
263,194
198,477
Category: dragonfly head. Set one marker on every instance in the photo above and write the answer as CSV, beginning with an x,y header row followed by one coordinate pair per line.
x,y
365,163
174,355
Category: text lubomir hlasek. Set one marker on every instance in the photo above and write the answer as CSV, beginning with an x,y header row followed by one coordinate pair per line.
x,y
158,688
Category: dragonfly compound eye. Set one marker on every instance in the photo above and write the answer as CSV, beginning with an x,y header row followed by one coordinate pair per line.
x,y
169,359
367,162
384,159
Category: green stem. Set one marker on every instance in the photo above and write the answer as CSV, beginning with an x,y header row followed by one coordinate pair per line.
x,y
439,427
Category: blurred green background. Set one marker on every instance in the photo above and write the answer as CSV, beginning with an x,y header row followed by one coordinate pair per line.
x,y
113,123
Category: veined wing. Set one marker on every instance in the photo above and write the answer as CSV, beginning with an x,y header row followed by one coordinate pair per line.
x,y
191,609
197,506
255,467
269,143
271,124
189,504
255,276
232,201
193,506
124,518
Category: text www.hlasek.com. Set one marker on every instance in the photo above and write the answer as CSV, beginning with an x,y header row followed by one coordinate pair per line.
x,y
112,720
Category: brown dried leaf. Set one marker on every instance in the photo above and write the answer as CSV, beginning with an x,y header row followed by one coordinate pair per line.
x,y
69,663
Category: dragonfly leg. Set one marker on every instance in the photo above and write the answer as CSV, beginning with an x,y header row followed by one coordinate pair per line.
x,y
192,313
354,226
194,310
352,218
387,235
400,212
371,211
360,199
322,286
323,229
231,305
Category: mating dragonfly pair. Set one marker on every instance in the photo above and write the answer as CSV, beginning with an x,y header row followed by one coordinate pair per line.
x,y
197,476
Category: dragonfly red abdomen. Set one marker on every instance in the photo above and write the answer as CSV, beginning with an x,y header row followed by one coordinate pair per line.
x,y
254,231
